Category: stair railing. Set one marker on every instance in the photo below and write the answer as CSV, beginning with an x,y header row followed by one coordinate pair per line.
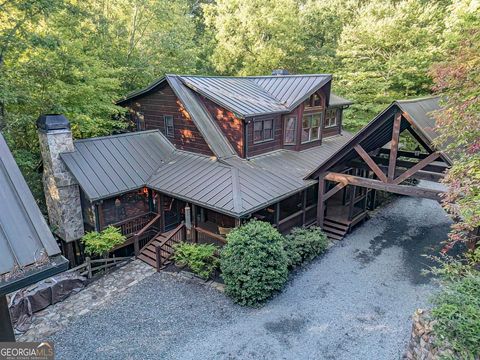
x,y
176,236
136,236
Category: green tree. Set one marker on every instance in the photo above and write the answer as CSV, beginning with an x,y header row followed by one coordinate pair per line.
x,y
458,80
386,52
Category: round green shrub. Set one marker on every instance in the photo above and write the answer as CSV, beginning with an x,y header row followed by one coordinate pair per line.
x,y
304,245
253,263
199,258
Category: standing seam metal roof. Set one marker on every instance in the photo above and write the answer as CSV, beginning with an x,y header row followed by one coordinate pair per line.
x,y
25,238
233,186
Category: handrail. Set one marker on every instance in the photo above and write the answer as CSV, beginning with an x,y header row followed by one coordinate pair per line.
x,y
119,223
136,236
173,232
158,248
212,234
149,224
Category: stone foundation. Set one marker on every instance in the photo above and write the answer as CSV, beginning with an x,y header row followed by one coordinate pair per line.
x,y
422,340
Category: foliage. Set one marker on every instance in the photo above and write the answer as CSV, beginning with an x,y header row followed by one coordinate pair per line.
x,y
457,306
304,244
385,53
200,258
458,80
253,263
100,243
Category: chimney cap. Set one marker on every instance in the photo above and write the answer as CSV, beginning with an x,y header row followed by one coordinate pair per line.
x,y
49,122
280,72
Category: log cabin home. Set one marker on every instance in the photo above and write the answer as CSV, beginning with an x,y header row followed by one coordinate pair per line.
x,y
210,152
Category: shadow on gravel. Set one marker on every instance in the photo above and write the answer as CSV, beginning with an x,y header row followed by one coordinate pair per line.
x,y
415,242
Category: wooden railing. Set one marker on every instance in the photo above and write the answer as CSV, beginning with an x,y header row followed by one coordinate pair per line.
x,y
209,237
165,249
89,267
135,224
148,226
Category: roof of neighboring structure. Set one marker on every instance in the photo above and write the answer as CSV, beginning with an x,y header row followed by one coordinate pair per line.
x,y
418,110
233,186
250,95
28,249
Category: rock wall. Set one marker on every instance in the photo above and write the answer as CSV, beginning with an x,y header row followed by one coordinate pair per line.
x,y
62,193
422,340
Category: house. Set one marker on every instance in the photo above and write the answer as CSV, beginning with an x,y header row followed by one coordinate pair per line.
x,y
28,250
210,152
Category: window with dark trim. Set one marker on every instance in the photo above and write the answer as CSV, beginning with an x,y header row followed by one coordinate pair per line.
x,y
313,101
169,129
262,130
311,127
290,137
331,118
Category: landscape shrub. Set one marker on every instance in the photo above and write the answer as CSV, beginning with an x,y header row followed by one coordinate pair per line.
x,y
456,308
304,244
199,258
253,263
100,243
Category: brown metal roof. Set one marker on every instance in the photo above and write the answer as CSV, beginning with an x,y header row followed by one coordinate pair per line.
x,y
107,166
27,245
250,95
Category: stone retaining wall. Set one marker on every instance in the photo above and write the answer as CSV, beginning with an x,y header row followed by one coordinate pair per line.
x,y
421,345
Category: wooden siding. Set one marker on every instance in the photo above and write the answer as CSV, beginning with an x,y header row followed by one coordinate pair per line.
x,y
269,145
335,130
164,102
231,126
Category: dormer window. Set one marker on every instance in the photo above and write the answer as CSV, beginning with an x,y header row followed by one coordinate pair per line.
x,y
262,130
313,101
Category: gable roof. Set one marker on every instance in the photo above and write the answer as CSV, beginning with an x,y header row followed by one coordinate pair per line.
x,y
420,112
248,96
232,186
28,249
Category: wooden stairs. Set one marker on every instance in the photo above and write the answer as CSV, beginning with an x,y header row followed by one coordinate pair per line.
x,y
159,249
334,229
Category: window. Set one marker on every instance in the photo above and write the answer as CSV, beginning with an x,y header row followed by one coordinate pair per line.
x,y
290,130
331,118
262,130
311,127
313,101
169,129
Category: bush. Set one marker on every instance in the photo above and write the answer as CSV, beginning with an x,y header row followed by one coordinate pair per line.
x,y
457,306
253,263
199,258
100,243
304,245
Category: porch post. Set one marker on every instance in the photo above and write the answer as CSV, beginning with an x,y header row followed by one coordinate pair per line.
x,y
321,203
194,223
304,205
162,212
277,214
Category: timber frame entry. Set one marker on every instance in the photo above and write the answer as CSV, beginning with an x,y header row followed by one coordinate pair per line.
x,y
374,153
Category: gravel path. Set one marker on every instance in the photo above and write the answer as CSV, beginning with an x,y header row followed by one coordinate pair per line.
x,y
353,303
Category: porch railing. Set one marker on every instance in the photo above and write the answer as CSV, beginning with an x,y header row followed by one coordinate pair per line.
x,y
134,224
205,236
165,250
147,227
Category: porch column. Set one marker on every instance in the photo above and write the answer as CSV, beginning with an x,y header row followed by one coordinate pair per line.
x,y
321,203
304,205
194,224
161,209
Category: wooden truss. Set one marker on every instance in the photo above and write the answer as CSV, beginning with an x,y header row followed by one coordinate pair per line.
x,y
389,173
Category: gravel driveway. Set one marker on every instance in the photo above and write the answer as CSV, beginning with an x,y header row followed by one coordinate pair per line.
x,y
353,303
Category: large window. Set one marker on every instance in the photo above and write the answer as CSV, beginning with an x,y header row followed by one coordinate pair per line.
x,y
311,127
290,130
331,118
262,130
169,129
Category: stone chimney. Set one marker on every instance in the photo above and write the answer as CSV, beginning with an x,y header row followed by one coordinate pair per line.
x,y
61,189
278,72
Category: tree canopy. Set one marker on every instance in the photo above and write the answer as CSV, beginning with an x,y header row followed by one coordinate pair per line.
x,y
78,57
